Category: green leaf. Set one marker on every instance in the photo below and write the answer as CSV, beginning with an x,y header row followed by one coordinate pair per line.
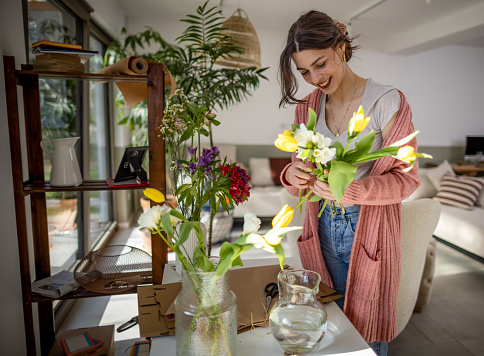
x,y
315,198
339,148
340,177
185,228
362,147
167,226
279,250
311,125
177,214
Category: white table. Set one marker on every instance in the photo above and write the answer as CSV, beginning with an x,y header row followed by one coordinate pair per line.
x,y
341,336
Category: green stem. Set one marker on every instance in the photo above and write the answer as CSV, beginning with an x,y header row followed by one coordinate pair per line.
x,y
304,199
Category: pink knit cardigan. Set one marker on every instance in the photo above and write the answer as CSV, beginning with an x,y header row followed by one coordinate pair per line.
x,y
374,270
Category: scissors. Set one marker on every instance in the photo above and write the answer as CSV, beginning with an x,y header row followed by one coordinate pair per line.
x,y
271,291
129,324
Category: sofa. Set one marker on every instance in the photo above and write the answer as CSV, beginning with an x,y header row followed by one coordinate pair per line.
x,y
461,220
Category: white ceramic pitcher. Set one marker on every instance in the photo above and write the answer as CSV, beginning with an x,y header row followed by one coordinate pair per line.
x,y
65,167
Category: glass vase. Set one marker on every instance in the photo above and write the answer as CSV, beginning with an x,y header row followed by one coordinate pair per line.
x,y
298,321
205,315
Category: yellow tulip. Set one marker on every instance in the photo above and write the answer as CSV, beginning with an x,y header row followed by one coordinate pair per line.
x,y
154,194
272,239
283,218
286,142
406,154
360,120
287,133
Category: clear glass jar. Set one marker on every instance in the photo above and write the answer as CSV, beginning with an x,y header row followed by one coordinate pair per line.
x,y
298,321
205,315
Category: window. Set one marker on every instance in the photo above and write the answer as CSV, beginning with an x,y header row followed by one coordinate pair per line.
x,y
76,221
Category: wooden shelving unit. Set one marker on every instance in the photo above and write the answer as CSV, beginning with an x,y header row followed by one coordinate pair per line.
x,y
35,187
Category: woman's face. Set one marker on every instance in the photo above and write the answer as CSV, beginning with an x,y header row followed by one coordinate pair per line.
x,y
323,68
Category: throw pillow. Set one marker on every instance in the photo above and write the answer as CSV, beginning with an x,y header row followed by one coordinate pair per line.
x,y
480,198
436,174
459,191
260,171
277,165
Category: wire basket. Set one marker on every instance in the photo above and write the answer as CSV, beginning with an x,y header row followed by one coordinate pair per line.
x,y
113,269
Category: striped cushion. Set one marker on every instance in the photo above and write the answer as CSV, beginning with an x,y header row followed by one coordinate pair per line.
x,y
459,191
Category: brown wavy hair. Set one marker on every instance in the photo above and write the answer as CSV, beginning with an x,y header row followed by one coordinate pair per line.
x,y
313,30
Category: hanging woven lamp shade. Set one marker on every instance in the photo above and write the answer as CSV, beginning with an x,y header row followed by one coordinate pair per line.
x,y
241,30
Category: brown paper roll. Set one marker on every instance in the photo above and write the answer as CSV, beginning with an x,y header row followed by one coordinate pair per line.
x,y
133,93
127,66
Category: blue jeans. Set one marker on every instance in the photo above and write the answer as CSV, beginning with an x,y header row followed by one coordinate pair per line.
x,y
336,234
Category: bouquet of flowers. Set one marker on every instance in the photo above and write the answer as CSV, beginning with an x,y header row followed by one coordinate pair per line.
x,y
335,164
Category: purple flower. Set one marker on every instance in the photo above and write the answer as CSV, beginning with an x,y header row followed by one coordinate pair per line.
x,y
192,151
192,167
215,151
207,172
206,158
179,164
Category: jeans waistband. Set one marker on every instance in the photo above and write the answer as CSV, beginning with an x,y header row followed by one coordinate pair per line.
x,y
337,209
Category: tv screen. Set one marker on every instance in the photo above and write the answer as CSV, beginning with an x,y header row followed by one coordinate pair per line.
x,y
474,145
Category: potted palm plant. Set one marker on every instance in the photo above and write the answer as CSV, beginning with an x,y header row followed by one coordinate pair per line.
x,y
191,61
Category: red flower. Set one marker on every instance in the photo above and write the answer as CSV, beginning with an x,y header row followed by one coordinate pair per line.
x,y
239,187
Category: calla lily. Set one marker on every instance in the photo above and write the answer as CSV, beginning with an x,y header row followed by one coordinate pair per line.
x,y
406,154
283,218
286,143
154,194
358,122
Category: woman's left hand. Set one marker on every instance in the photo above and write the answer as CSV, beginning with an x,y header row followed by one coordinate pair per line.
x,y
322,189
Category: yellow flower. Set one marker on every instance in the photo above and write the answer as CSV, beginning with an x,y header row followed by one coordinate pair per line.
x,y
359,120
154,194
283,218
285,142
272,239
406,154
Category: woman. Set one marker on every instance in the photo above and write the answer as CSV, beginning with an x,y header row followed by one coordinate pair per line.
x,y
358,252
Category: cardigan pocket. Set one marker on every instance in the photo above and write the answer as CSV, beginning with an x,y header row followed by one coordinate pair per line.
x,y
367,277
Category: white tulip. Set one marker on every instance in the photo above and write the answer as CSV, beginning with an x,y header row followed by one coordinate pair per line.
x,y
251,223
151,218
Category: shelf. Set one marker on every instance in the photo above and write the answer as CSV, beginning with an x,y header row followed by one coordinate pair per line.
x,y
29,74
84,293
87,185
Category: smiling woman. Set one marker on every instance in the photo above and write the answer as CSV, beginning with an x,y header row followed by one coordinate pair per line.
x,y
355,248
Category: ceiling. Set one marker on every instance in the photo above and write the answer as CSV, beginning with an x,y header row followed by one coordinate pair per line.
x,y
392,26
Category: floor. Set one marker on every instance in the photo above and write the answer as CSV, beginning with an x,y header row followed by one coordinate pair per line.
x,y
453,323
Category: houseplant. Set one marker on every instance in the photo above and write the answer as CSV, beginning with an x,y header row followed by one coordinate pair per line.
x,y
192,63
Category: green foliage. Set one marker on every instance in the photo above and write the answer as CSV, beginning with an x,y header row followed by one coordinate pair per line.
x,y
191,61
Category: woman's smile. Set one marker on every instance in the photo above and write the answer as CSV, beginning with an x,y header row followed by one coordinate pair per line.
x,y
325,85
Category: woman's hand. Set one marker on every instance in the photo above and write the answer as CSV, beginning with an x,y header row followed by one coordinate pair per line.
x,y
297,176
322,189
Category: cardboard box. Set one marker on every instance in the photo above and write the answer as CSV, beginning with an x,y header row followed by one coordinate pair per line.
x,y
103,333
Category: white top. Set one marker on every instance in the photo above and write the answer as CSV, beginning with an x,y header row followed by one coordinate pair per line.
x,y
380,102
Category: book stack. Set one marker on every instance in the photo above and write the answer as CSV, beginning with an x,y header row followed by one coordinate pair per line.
x,y
60,57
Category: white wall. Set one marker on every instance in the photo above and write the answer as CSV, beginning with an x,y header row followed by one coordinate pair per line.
x,y
443,86
12,337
